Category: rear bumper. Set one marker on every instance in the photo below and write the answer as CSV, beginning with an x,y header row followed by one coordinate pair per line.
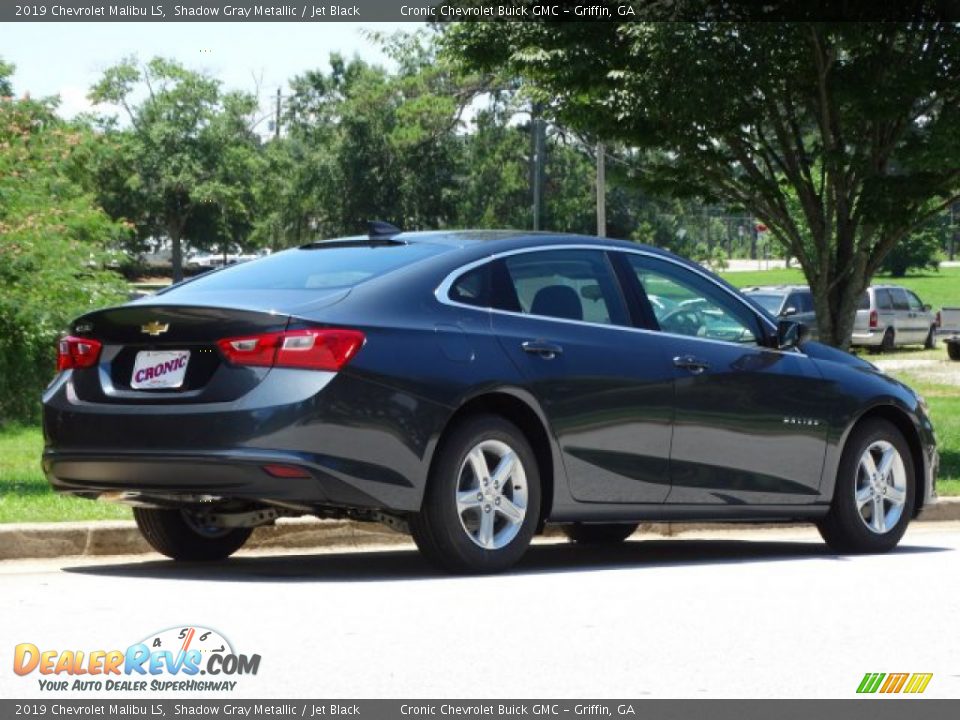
x,y
363,444
871,338
170,477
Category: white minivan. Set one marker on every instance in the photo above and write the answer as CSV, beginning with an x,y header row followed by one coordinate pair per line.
x,y
889,316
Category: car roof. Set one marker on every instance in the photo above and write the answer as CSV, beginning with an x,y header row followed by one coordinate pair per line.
x,y
776,288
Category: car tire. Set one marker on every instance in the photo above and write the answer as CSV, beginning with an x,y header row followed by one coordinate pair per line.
x,y
889,341
931,342
466,525
853,524
953,350
177,535
599,533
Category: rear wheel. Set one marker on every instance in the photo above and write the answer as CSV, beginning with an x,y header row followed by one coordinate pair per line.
x,y
600,534
931,342
889,341
874,494
181,535
482,503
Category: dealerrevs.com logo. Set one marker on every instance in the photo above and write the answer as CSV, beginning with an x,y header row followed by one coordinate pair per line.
x,y
179,659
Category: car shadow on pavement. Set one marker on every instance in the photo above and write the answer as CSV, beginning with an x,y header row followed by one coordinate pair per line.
x,y
407,564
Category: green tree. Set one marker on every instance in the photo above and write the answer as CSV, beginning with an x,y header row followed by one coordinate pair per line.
x,y
857,120
188,155
54,243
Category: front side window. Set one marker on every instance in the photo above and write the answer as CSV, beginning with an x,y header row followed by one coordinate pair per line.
x,y
565,284
685,303
914,302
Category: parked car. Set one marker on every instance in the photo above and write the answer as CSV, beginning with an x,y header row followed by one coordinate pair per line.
x,y
890,316
471,387
794,302
948,327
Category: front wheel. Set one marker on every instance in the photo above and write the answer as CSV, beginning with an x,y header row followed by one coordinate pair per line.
x,y
931,342
600,533
181,535
874,494
482,503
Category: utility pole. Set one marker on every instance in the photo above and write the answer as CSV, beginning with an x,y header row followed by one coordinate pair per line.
x,y
276,132
537,151
601,191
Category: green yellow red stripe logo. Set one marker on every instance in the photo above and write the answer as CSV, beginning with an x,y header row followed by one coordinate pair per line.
x,y
892,683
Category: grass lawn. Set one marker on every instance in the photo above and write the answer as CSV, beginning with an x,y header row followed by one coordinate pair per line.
x,y
24,493
938,289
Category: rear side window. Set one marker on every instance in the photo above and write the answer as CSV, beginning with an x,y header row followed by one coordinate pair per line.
x,y
473,287
899,299
884,300
567,284
317,268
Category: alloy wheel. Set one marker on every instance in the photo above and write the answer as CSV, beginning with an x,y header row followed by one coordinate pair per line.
x,y
492,494
881,487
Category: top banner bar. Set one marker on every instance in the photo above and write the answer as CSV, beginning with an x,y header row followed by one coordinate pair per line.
x,y
480,10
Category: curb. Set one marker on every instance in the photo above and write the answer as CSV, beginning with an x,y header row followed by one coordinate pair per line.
x,y
53,540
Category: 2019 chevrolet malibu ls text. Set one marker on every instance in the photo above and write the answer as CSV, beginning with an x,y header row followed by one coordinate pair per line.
x,y
471,387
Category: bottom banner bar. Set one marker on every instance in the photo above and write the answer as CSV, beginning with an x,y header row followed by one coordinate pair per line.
x,y
874,708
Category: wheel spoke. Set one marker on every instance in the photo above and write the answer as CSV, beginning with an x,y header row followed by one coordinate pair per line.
x,y
510,510
504,469
479,465
864,495
895,495
868,465
886,461
467,500
879,520
485,535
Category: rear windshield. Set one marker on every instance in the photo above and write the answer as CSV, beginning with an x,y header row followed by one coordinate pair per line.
x,y
316,268
768,301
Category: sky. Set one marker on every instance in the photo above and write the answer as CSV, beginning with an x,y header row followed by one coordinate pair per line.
x,y
67,58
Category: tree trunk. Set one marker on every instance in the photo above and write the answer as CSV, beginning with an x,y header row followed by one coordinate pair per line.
x,y
176,252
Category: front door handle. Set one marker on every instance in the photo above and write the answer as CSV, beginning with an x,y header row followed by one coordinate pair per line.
x,y
544,349
694,364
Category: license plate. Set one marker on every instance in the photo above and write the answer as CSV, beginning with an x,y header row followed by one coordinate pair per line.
x,y
159,369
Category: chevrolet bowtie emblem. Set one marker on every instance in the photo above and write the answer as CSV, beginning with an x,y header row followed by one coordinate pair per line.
x,y
154,328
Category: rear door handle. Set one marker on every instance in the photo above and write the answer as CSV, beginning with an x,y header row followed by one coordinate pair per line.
x,y
544,349
694,364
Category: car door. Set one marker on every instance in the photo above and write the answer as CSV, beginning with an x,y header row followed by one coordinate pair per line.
x,y
922,318
606,389
749,421
905,322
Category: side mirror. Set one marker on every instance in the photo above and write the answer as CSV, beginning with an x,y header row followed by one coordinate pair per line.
x,y
927,308
790,334
791,310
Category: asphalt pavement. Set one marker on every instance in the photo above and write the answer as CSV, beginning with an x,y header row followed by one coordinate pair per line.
x,y
739,613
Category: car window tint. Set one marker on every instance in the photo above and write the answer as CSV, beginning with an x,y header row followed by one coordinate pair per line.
x,y
914,302
568,284
884,300
806,302
899,299
473,287
685,303
771,302
317,267
864,302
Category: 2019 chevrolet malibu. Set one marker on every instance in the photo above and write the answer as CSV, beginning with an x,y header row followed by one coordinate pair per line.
x,y
471,387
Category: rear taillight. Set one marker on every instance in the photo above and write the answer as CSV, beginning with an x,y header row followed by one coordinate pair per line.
x,y
314,349
874,319
74,352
